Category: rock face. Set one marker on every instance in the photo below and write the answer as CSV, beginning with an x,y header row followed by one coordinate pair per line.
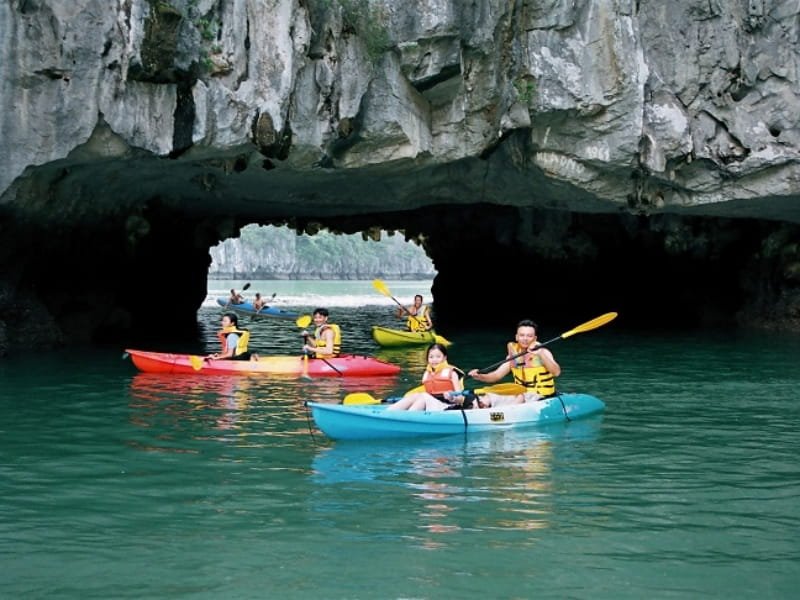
x,y
278,253
615,154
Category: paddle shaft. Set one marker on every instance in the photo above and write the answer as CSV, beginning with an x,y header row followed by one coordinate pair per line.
x,y
498,388
383,289
327,362
492,367
244,289
588,326
258,310
408,312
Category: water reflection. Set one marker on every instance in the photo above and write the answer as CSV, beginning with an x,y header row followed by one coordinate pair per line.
x,y
442,479
245,410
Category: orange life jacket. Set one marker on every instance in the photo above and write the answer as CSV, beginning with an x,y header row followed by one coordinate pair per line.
x,y
439,380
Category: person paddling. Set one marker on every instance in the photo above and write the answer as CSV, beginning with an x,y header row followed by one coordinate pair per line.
x,y
419,315
326,341
259,303
532,367
235,297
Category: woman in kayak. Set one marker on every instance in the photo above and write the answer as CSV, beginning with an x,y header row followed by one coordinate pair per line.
x,y
440,380
531,366
419,315
234,340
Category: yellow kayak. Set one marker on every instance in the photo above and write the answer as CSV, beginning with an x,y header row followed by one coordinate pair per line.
x,y
390,338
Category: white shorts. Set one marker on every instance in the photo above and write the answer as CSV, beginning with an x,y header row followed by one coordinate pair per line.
x,y
495,400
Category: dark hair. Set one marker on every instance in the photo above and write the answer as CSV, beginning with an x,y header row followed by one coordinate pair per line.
x,y
234,319
440,347
321,311
527,323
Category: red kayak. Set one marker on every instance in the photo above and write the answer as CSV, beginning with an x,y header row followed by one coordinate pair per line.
x,y
345,365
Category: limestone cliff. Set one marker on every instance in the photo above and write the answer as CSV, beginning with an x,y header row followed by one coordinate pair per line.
x,y
600,149
277,253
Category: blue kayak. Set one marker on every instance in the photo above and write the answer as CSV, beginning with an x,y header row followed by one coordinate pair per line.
x,y
374,421
247,309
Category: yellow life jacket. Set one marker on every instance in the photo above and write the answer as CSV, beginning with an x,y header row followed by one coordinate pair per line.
x,y
439,380
529,371
419,322
241,345
337,340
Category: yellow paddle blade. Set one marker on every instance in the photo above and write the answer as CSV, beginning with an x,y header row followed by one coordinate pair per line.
x,y
303,321
197,362
381,287
360,398
593,324
439,339
416,390
504,389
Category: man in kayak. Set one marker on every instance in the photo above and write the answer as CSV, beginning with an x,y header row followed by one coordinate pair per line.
x,y
235,297
259,303
419,315
531,366
234,340
326,341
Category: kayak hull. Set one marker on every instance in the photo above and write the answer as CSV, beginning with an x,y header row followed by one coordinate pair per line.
x,y
247,309
348,365
374,421
393,338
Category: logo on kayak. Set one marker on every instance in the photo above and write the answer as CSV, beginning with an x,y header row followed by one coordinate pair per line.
x,y
497,417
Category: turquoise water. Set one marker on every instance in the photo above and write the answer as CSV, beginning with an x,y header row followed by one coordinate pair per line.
x,y
118,484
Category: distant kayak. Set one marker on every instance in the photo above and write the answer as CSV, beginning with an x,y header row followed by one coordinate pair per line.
x,y
390,338
347,365
247,309
374,421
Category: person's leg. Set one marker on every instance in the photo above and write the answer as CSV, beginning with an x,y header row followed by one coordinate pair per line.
x,y
434,405
422,400
419,403
404,403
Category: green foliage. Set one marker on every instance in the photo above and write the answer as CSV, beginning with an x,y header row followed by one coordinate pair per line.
x,y
207,28
206,63
163,6
525,89
366,21
369,23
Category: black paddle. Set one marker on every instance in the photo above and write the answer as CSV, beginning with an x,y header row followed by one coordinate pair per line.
x,y
258,310
244,289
